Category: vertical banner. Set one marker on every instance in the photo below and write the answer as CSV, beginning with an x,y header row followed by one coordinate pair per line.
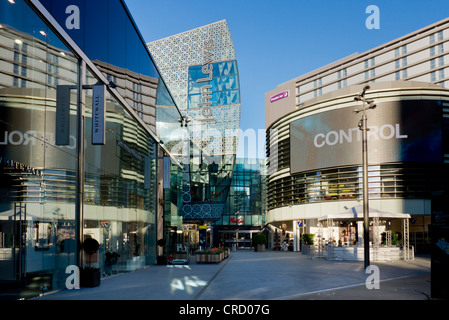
x,y
62,115
166,172
98,114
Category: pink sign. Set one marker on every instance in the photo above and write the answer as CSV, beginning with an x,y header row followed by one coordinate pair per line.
x,y
279,96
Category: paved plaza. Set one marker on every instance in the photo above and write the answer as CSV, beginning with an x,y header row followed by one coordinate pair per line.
x,y
269,275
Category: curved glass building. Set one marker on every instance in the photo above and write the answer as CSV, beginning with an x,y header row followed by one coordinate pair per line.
x,y
315,152
318,155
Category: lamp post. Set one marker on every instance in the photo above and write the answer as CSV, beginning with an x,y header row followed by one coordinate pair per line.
x,y
364,128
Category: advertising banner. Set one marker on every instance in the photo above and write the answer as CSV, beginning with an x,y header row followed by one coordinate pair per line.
x,y
399,131
98,114
279,96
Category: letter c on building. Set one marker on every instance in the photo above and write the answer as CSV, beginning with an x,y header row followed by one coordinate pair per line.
x,y
315,140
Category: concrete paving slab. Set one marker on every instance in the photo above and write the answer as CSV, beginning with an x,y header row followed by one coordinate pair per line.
x,y
269,275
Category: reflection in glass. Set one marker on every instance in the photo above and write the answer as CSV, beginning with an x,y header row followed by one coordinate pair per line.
x,y
37,196
200,69
114,44
119,206
38,177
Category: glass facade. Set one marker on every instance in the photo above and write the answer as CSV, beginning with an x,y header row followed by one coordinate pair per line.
x,y
55,192
173,222
387,181
245,208
315,161
115,45
119,189
409,170
200,69
246,202
223,88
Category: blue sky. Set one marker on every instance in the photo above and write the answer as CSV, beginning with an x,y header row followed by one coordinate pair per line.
x,y
278,40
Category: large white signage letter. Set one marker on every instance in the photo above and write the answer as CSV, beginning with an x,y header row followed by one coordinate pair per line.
x,y
373,21
73,280
73,20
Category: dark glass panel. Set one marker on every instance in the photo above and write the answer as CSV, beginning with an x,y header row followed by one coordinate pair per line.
x,y
117,34
67,15
96,40
37,176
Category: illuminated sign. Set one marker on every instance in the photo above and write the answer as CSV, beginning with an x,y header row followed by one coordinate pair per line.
x,y
236,220
279,96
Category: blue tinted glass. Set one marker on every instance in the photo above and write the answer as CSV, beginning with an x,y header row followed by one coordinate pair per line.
x,y
194,100
146,65
195,88
163,97
224,84
96,43
18,16
104,31
227,83
226,97
219,69
195,72
133,49
69,14
219,98
225,68
218,84
117,33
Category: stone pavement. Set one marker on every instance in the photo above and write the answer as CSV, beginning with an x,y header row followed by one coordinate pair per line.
x,y
269,275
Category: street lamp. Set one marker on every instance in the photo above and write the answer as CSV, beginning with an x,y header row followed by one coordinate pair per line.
x,y
184,120
364,128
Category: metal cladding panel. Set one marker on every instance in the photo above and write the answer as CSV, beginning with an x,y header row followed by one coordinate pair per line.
x,y
200,69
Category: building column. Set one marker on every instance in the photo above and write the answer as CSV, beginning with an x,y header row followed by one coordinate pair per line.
x,y
360,233
296,236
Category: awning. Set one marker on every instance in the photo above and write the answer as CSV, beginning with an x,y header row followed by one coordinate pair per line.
x,y
356,213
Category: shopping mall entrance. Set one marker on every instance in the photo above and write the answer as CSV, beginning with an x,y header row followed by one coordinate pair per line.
x,y
24,242
237,238
13,244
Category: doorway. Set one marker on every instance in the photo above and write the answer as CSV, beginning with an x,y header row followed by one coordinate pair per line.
x,y
13,227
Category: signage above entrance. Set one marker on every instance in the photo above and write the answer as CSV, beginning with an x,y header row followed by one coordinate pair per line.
x,y
236,220
279,96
